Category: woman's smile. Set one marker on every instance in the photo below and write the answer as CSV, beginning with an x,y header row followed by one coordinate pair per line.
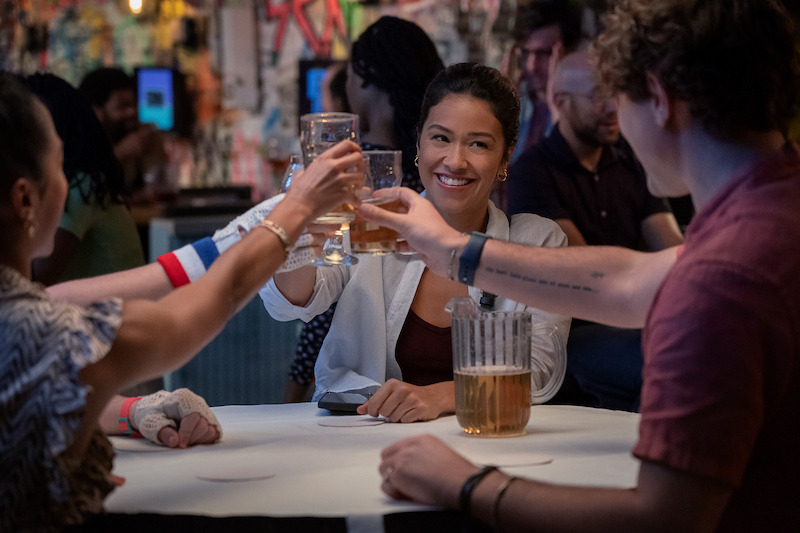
x,y
450,181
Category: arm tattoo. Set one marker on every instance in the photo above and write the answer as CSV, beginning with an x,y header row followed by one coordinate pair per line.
x,y
552,283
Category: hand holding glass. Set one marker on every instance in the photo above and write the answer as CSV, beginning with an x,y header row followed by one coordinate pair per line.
x,y
384,170
318,132
295,165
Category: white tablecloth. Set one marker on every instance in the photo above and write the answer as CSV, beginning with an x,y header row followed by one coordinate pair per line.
x,y
332,471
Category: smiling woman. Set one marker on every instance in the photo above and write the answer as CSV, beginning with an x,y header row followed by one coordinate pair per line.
x,y
459,163
467,128
390,327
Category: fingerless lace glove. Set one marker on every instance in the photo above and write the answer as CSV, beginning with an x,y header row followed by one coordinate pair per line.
x,y
156,411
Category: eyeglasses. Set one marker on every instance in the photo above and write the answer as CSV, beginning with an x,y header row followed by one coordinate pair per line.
x,y
523,55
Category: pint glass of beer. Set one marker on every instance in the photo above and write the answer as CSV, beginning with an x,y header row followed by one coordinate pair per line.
x,y
384,170
492,368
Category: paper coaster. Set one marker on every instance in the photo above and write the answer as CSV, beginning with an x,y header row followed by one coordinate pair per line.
x,y
231,473
127,444
509,459
349,421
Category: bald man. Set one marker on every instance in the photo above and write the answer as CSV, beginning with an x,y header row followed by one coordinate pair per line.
x,y
582,177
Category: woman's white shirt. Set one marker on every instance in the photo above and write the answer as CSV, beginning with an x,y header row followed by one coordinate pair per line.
x,y
374,298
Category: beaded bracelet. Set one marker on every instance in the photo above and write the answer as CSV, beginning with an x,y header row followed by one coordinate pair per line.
x,y
469,486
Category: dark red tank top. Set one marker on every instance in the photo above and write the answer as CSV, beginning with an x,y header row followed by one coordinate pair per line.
x,y
424,352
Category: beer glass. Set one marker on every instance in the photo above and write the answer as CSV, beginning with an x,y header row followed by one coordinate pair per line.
x,y
492,369
384,170
318,132
295,165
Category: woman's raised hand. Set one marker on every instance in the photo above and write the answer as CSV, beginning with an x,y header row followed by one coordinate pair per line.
x,y
330,180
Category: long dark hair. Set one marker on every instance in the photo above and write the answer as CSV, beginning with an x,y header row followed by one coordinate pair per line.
x,y
398,57
87,150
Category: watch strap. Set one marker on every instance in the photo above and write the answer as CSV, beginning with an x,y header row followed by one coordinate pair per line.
x,y
470,257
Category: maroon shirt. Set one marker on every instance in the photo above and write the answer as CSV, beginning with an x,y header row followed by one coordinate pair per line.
x,y
424,352
721,394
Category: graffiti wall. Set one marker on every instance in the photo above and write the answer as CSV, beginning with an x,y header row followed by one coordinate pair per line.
x,y
241,59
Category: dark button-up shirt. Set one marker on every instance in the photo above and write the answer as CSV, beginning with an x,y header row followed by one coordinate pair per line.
x,y
607,206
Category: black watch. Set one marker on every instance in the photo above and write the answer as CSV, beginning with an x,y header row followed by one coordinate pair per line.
x,y
470,257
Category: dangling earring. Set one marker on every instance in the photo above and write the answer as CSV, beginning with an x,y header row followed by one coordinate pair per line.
x,y
416,161
30,228
503,176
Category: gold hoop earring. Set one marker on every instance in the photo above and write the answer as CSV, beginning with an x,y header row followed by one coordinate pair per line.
x,y
416,161
503,176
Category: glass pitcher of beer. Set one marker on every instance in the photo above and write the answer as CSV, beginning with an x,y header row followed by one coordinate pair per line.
x,y
492,369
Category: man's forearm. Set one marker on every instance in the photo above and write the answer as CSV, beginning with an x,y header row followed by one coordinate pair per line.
x,y
604,284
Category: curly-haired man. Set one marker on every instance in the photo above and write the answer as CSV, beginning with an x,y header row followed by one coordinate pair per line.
x,y
705,89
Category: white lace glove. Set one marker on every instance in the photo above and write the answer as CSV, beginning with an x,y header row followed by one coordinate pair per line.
x,y
156,411
188,263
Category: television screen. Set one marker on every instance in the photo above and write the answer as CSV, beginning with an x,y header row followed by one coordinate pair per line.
x,y
311,77
155,91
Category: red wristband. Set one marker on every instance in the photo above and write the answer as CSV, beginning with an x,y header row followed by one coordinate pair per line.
x,y
124,422
175,272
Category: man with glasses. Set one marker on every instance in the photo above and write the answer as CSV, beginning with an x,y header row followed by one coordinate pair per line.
x,y
596,191
540,28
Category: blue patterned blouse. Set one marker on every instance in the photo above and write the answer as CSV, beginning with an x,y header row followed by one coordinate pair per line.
x,y
44,343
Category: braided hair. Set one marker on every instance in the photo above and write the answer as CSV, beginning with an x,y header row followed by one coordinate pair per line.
x,y
87,150
398,57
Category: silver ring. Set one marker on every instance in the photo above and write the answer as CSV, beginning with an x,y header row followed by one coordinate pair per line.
x,y
388,473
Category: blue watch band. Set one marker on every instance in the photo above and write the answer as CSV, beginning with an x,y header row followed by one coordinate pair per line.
x,y
470,257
